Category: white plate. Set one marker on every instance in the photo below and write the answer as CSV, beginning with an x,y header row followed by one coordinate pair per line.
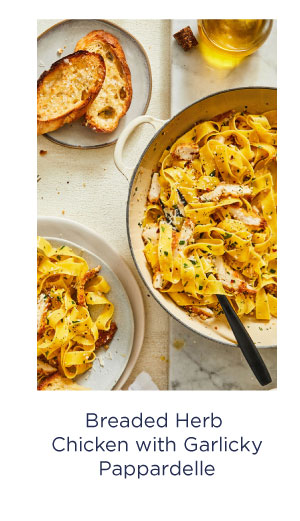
x,y
65,35
125,294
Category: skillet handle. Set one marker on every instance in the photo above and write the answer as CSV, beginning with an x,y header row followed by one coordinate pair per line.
x,y
118,153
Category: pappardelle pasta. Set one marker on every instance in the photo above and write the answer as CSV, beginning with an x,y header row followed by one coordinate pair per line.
x,y
67,290
210,222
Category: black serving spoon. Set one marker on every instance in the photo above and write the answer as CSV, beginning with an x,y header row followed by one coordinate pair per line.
x,y
246,343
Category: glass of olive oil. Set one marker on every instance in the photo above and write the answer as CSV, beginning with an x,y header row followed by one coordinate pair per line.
x,y
224,43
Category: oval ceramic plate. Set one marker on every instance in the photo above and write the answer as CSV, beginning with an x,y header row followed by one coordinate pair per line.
x,y
112,367
64,35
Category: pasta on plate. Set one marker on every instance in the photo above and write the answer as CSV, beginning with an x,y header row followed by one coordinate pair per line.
x,y
67,291
210,222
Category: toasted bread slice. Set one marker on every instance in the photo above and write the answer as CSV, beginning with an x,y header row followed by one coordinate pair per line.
x,y
113,101
66,90
56,382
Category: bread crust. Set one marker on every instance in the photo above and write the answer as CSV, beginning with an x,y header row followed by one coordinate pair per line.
x,y
56,382
51,124
87,42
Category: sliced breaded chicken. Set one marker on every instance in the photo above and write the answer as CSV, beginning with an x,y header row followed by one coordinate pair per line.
x,y
82,282
251,219
231,280
186,152
151,233
105,337
43,305
183,237
158,280
202,311
154,191
223,190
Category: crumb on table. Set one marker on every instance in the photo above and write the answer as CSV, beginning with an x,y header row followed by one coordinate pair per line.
x,y
43,152
185,38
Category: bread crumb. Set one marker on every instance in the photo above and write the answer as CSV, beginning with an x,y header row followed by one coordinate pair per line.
x,y
84,185
185,38
60,51
43,152
63,212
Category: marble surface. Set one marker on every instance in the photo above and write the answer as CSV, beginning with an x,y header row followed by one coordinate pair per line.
x,y
192,78
198,363
194,362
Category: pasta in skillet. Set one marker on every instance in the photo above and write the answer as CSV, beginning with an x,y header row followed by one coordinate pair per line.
x,y
210,222
66,291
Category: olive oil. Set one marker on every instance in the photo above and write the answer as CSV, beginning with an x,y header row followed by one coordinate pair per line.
x,y
224,43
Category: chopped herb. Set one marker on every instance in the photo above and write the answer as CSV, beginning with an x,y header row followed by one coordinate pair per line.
x,y
162,228
227,235
62,247
75,321
166,253
181,242
200,287
213,173
197,275
272,271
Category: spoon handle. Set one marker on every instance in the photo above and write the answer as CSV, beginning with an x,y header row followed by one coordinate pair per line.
x,y
246,343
